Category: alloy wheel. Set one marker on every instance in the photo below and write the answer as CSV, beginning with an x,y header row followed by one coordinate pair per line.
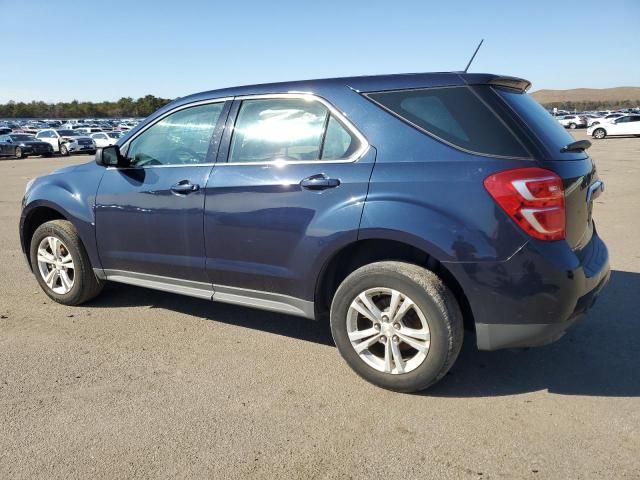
x,y
388,330
55,265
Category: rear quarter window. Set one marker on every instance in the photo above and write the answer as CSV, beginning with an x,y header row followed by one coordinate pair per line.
x,y
455,115
549,132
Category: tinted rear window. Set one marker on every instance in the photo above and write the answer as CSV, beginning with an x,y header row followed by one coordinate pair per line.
x,y
455,115
546,128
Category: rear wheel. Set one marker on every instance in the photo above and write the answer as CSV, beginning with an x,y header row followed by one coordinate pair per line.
x,y
61,264
397,325
599,133
572,126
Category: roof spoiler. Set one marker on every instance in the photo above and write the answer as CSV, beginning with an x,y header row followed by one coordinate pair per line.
x,y
511,82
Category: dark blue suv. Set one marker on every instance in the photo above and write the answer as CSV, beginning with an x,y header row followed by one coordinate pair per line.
x,y
405,208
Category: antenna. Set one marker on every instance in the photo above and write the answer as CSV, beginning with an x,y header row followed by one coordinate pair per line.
x,y
474,55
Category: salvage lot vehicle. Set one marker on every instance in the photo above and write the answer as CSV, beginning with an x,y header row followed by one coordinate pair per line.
x,y
67,141
21,145
365,216
104,139
572,121
625,125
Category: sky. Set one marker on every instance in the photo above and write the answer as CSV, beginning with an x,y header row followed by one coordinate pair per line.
x,y
89,50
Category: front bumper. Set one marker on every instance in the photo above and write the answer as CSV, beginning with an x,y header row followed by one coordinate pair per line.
x,y
535,296
77,148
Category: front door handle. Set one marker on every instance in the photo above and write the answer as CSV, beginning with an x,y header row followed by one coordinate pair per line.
x,y
319,182
185,186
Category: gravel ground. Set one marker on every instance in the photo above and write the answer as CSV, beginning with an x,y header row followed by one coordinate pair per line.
x,y
145,384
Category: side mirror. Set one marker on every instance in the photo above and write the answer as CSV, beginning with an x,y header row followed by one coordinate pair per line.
x,y
111,157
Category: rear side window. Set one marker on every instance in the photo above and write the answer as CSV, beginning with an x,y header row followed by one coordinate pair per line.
x,y
288,129
456,116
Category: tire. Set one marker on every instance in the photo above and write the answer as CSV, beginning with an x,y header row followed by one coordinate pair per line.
x,y
599,133
572,126
64,151
434,304
19,153
84,284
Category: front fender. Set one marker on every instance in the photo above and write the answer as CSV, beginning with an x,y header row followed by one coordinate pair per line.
x,y
73,200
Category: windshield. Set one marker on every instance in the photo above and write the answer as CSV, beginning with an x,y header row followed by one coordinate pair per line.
x,y
22,138
114,134
547,129
68,133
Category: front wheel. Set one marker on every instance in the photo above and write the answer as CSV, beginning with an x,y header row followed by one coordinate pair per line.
x,y
599,133
572,126
64,151
61,264
397,325
19,153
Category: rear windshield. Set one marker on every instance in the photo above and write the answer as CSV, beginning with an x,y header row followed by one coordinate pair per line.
x,y
541,123
455,115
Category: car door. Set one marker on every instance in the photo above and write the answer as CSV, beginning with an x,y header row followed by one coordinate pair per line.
x,y
634,125
149,215
289,185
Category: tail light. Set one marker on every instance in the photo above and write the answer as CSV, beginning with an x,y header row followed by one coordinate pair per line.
x,y
533,198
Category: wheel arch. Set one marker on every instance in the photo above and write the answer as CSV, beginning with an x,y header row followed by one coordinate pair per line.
x,y
365,251
39,212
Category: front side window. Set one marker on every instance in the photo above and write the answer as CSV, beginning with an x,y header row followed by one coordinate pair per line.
x,y
181,138
288,129
455,115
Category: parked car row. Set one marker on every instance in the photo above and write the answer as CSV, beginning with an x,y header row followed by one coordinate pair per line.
x,y
585,120
48,141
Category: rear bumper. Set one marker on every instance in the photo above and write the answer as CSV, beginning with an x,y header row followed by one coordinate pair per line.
x,y
535,296
498,336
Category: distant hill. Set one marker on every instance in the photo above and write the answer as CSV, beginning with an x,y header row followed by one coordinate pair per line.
x,y
603,97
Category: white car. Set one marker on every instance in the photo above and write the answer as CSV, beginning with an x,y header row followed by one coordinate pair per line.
x,y
572,121
67,141
104,139
625,125
607,118
88,130
592,118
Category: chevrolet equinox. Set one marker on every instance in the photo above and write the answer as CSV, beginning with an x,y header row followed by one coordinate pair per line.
x,y
402,208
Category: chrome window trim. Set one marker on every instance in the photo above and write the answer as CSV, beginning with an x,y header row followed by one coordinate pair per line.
x,y
126,144
354,157
440,139
311,97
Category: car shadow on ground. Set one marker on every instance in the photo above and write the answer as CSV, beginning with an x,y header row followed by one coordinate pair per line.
x,y
600,356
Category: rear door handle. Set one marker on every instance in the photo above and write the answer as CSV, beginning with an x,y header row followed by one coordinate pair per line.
x,y
319,182
185,186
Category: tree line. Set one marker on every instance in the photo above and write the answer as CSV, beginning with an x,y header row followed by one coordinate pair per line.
x,y
143,106
125,107
592,105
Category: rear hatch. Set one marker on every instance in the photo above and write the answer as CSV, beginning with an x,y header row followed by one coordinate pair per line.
x,y
575,167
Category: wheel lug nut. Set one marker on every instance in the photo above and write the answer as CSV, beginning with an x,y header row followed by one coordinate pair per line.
x,y
377,327
396,326
383,339
395,339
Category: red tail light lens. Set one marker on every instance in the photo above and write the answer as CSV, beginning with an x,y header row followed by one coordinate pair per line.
x,y
533,198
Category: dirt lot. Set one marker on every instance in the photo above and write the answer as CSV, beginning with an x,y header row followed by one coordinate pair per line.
x,y
146,384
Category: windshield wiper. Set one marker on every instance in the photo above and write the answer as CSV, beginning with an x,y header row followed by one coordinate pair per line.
x,y
575,146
